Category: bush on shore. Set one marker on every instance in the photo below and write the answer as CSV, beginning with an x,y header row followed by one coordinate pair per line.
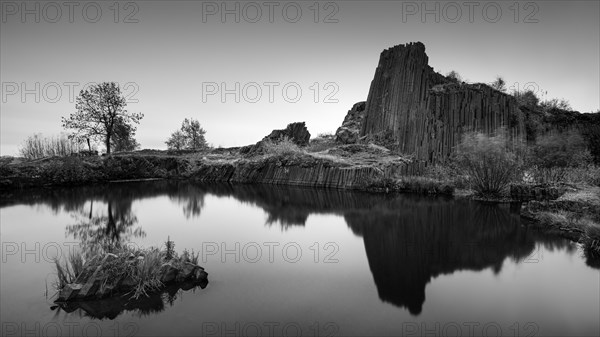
x,y
489,163
411,184
284,146
38,146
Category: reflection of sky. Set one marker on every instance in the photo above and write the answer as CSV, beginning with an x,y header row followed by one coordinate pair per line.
x,y
554,290
170,52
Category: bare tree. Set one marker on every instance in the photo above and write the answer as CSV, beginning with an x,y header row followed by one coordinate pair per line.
x,y
499,84
100,109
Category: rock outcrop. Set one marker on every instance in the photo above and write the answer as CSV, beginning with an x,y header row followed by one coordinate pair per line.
x,y
349,132
424,113
297,170
296,132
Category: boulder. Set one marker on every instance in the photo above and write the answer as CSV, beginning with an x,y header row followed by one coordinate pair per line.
x,y
296,132
349,132
69,292
186,272
168,273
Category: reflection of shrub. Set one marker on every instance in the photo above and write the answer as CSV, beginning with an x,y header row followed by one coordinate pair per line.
x,y
488,162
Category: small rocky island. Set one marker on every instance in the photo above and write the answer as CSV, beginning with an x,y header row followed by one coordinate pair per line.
x,y
127,273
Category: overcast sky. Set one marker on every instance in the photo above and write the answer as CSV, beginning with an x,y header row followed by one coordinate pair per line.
x,y
174,58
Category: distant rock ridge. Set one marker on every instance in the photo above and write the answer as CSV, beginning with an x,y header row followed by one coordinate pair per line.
x,y
423,113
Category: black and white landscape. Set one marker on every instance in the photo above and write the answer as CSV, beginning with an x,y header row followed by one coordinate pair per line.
x,y
307,168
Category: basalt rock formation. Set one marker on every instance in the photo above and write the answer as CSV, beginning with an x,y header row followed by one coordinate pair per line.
x,y
419,112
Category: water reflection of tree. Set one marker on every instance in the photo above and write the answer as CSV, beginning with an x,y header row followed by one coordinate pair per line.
x,y
75,200
104,231
192,199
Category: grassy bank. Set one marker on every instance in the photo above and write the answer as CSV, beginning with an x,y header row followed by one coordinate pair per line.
x,y
574,215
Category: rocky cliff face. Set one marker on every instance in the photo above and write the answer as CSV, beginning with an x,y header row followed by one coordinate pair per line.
x,y
424,113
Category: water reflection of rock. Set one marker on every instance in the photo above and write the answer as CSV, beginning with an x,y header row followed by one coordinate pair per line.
x,y
408,239
422,239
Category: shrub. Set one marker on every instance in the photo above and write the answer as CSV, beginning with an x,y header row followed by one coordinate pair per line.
x,y
322,142
37,146
499,84
555,103
454,76
283,146
489,163
526,98
555,155
410,184
448,173
560,150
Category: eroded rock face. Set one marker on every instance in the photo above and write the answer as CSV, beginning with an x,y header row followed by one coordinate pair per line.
x,y
296,132
349,132
425,113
